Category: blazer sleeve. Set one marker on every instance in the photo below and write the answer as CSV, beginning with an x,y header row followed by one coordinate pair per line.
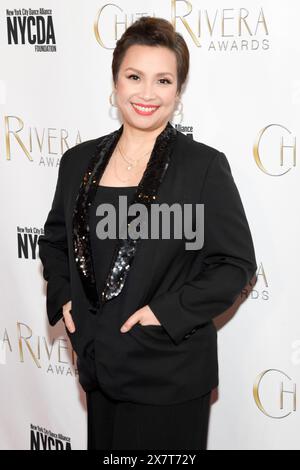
x,y
228,256
53,251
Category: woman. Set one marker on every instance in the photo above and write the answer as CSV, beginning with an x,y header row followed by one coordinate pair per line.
x,y
139,311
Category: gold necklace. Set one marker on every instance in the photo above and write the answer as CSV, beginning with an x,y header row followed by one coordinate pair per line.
x,y
133,163
128,168
126,180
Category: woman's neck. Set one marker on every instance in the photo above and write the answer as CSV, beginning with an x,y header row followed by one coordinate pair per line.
x,y
134,140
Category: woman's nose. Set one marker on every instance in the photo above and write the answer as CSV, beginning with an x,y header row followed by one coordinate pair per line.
x,y
147,91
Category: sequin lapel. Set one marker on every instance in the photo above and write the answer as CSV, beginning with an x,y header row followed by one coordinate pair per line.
x,y
145,193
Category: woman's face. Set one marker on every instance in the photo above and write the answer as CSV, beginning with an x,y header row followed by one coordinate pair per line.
x,y
147,76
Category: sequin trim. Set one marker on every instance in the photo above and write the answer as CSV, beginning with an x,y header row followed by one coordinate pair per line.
x,y
145,193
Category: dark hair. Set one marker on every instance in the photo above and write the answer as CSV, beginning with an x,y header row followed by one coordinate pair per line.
x,y
151,31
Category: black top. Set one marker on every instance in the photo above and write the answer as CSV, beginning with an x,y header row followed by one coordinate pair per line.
x,y
103,249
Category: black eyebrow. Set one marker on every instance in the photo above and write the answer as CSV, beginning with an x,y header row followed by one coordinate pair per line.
x,y
158,74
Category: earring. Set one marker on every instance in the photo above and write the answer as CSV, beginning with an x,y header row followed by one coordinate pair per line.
x,y
110,100
178,112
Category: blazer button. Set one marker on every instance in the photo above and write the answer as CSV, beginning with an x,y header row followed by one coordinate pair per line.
x,y
187,335
193,330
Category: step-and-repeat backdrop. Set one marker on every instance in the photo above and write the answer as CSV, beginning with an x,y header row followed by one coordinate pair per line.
x,y
242,97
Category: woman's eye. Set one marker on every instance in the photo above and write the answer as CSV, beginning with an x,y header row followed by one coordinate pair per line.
x,y
133,76
168,81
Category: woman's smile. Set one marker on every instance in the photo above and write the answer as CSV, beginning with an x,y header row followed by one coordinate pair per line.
x,y
144,110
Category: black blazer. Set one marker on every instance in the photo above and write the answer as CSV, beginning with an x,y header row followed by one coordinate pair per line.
x,y
186,289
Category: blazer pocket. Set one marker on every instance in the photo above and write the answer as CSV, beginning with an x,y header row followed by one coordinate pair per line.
x,y
150,334
149,326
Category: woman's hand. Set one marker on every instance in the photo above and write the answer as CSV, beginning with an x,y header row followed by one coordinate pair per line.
x,y
68,317
144,314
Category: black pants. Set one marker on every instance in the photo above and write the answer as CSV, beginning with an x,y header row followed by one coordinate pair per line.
x,y
118,425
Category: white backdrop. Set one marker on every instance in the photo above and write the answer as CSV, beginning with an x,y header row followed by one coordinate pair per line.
x,y
242,97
